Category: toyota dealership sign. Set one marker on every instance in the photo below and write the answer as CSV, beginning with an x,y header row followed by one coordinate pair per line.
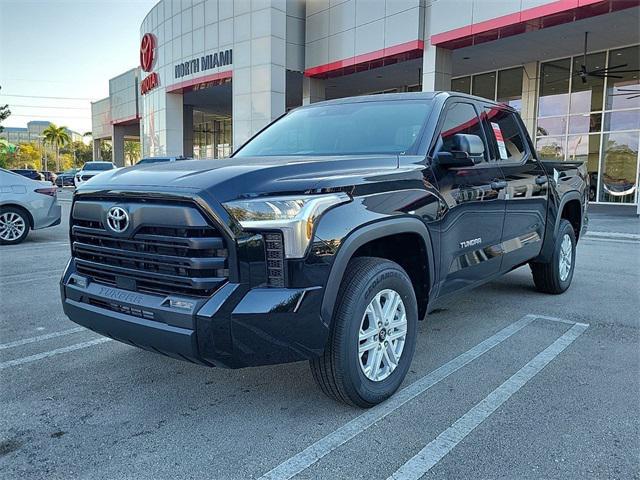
x,y
147,58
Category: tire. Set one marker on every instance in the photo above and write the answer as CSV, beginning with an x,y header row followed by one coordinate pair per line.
x,y
342,372
14,225
551,277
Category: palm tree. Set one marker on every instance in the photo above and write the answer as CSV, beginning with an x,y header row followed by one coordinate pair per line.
x,y
132,151
58,137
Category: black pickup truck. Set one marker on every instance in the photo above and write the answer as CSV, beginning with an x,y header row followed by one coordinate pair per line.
x,y
325,237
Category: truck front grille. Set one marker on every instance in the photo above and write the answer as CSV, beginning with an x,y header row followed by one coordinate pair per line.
x,y
188,260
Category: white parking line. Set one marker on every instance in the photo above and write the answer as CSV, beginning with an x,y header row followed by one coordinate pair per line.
x,y
326,445
55,275
52,353
40,338
437,449
11,276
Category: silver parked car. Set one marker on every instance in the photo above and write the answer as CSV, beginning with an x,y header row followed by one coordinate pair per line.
x,y
25,204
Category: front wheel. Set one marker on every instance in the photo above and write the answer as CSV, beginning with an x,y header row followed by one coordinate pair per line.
x,y
373,335
555,276
14,226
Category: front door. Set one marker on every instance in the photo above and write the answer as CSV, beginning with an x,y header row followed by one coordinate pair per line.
x,y
527,189
471,228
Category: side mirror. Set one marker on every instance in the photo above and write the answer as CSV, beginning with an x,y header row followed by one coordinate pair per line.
x,y
465,151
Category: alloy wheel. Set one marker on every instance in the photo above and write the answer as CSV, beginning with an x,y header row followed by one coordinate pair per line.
x,y
12,226
566,257
382,335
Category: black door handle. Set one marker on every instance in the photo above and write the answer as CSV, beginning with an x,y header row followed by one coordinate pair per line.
x,y
498,185
541,179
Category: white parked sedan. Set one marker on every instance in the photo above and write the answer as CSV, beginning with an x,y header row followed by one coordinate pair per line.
x,y
25,204
90,170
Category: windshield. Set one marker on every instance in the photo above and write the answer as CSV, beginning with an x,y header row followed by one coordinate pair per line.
x,y
343,129
97,166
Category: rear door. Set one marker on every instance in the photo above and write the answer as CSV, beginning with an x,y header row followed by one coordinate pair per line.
x,y
527,190
471,227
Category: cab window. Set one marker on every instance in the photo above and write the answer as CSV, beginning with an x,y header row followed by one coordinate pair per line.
x,y
504,133
459,118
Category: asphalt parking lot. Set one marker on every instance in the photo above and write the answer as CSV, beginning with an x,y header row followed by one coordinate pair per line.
x,y
506,383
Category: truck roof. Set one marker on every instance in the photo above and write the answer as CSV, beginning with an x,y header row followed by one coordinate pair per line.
x,y
404,96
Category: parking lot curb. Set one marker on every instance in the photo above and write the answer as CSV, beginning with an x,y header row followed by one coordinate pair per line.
x,y
614,236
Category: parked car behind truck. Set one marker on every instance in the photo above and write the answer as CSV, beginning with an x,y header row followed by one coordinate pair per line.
x,y
325,238
25,205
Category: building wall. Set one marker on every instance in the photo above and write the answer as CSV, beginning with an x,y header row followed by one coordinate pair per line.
x,y
344,31
123,94
255,32
101,118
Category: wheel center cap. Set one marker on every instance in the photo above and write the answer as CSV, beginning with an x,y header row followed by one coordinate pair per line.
x,y
383,334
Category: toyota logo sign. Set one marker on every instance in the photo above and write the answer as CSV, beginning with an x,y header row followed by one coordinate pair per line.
x,y
117,219
147,50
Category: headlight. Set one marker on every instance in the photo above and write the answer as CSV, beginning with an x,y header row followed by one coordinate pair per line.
x,y
294,216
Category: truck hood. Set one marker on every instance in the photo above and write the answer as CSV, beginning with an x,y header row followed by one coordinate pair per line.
x,y
228,179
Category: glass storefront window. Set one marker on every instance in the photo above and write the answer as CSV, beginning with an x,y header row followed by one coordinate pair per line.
x,y
484,85
618,182
586,148
551,148
552,126
624,120
554,88
585,123
586,95
620,90
510,87
461,85
573,126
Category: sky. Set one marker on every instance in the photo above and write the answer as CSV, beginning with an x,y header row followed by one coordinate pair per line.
x,y
65,48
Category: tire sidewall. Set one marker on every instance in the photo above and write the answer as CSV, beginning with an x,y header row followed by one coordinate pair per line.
x,y
27,226
366,389
565,228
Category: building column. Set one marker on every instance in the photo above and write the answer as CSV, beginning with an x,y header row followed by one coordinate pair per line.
x,y
187,133
117,145
174,120
436,68
530,96
313,90
259,73
96,149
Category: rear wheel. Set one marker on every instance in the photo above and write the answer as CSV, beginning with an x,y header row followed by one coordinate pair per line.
x,y
373,334
14,225
555,276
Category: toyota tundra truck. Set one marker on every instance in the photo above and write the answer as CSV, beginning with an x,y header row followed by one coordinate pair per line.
x,y
326,237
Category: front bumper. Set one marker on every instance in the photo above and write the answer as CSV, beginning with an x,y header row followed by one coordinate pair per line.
x,y
236,327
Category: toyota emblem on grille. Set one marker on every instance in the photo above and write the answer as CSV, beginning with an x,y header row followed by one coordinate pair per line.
x,y
117,219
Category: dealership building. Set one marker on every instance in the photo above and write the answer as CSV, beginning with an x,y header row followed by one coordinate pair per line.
x,y
214,72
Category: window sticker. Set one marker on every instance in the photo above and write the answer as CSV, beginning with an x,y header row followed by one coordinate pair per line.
x,y
500,139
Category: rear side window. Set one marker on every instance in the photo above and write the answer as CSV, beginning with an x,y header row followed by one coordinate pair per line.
x,y
460,118
505,134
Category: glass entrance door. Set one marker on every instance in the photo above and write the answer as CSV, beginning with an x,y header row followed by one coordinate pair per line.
x,y
211,135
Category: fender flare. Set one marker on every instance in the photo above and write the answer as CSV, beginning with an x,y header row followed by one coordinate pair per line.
x,y
566,198
555,216
361,236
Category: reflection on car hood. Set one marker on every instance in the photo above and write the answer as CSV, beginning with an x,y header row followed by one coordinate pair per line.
x,y
230,178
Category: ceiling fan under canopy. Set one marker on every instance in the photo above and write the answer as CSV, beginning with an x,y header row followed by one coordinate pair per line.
x,y
584,72
607,72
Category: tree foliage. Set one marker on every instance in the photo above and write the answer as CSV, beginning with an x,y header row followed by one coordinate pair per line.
x,y
4,114
132,151
57,137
